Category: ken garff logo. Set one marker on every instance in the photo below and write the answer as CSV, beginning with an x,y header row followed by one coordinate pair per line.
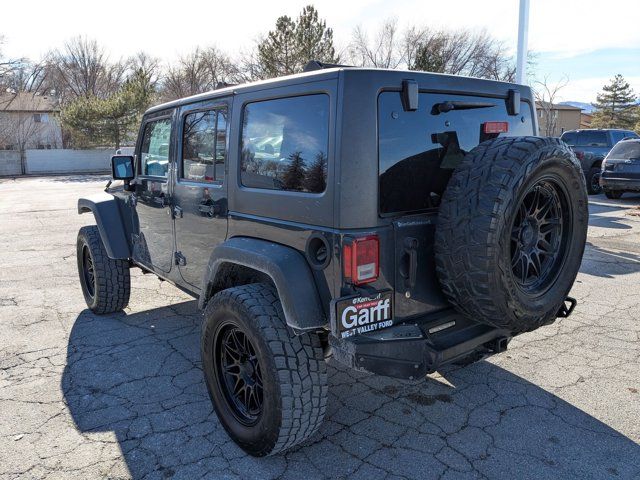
x,y
376,312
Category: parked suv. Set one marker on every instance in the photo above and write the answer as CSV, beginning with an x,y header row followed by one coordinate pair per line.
x,y
621,169
591,146
393,220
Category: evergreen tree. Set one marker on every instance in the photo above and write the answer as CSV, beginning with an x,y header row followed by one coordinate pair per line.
x,y
288,48
293,177
615,105
113,120
316,179
314,40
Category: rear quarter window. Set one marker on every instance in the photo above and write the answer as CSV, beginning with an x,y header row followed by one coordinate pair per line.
x,y
418,150
285,144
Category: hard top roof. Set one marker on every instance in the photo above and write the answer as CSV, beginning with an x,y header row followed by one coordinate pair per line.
x,y
313,76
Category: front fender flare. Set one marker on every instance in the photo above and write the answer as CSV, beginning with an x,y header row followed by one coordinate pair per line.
x,y
109,221
287,268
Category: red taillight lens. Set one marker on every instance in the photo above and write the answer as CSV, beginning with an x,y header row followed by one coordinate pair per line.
x,y
360,260
495,127
579,155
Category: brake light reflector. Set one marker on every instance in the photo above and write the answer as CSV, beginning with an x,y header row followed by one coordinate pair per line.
x,y
360,260
495,127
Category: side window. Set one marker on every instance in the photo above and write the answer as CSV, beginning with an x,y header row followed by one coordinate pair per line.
x,y
204,146
285,144
617,136
154,153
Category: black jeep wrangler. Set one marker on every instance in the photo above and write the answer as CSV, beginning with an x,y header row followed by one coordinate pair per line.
x,y
394,220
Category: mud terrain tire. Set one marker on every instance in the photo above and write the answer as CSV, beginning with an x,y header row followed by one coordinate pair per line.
x,y
511,231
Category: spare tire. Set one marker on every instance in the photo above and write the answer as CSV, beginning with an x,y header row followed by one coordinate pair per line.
x,y
511,231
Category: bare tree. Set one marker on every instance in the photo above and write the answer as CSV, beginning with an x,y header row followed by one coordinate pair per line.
x,y
546,94
383,50
82,69
198,72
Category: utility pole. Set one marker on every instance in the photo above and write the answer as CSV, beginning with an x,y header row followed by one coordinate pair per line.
x,y
523,34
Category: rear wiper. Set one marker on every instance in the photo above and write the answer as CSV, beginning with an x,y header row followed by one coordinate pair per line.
x,y
445,107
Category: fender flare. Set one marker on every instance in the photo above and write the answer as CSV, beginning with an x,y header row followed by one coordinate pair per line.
x,y
287,268
109,221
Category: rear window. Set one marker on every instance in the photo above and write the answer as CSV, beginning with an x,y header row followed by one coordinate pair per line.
x,y
590,138
569,138
625,150
285,144
418,151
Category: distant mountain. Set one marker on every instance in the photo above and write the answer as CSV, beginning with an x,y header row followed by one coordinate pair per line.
x,y
586,107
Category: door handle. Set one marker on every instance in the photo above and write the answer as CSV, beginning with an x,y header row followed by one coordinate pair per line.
x,y
411,249
177,211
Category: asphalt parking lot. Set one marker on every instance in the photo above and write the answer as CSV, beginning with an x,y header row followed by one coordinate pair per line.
x,y
123,396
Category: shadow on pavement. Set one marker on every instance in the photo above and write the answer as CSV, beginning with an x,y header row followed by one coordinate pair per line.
x,y
81,178
139,376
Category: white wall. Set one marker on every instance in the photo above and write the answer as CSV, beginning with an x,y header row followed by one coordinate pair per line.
x,y
9,162
42,162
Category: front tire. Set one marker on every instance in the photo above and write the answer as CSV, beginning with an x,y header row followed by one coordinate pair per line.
x,y
268,385
105,282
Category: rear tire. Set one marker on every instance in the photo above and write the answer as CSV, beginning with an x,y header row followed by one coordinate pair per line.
x,y
268,385
613,194
593,181
105,282
511,231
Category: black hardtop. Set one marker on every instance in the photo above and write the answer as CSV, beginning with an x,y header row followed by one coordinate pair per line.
x,y
386,78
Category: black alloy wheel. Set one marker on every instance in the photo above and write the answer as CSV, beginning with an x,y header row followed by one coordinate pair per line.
x,y
538,236
88,271
239,373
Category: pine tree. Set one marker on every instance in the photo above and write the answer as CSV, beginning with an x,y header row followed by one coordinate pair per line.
x,y
314,40
289,47
316,179
109,121
615,105
293,177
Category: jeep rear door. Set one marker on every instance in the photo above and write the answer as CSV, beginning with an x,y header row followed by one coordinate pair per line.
x,y
418,152
200,190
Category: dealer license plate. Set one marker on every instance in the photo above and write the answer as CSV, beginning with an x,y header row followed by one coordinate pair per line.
x,y
362,314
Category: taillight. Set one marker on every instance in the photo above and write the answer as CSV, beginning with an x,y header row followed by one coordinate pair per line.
x,y
495,127
361,259
579,155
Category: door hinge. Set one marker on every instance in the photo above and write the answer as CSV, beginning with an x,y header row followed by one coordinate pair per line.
x,y
180,259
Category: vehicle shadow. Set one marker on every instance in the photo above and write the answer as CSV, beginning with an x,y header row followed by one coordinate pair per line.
x,y
139,376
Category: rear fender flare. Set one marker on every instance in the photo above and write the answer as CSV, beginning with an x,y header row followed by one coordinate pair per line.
x,y
286,267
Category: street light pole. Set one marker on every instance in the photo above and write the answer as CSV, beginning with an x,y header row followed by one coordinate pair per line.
x,y
523,34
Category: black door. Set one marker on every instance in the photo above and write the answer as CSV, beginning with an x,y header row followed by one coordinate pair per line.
x,y
200,191
153,244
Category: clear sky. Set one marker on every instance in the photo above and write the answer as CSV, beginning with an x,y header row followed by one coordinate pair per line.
x,y
587,41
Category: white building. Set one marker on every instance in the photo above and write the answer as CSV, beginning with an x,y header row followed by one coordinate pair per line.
x,y
29,121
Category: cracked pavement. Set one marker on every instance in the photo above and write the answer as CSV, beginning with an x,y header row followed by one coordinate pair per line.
x,y
122,396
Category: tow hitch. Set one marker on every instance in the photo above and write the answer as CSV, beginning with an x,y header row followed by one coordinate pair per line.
x,y
567,307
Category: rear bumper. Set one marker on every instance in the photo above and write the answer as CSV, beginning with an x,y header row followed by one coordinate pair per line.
x,y
412,350
620,183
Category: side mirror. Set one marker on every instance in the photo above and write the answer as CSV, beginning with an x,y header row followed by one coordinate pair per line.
x,y
122,167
